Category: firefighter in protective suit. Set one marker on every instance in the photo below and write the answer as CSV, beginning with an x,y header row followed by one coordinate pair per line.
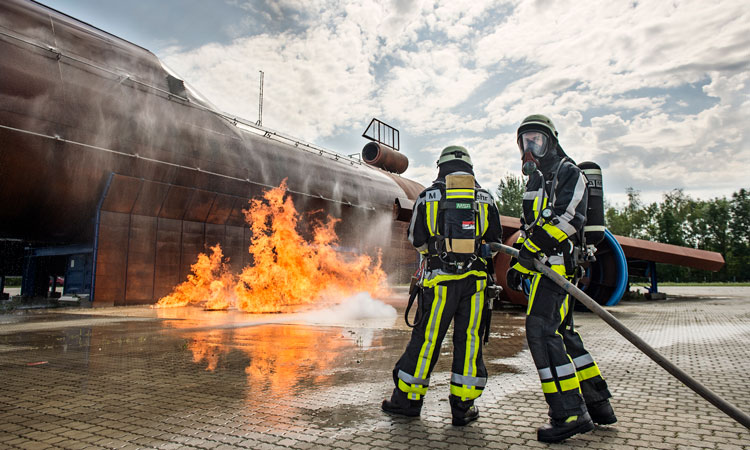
x,y
452,222
554,212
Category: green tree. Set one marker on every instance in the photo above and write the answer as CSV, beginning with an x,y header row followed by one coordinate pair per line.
x,y
510,196
738,258
632,220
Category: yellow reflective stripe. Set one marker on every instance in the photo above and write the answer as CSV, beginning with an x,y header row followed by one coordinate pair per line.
x,y
466,393
534,285
531,246
559,268
486,221
549,387
472,331
459,191
432,208
439,278
430,333
534,206
569,384
520,239
412,388
522,269
564,308
452,196
589,372
554,232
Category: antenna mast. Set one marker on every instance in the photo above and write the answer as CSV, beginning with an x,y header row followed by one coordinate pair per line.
x,y
260,102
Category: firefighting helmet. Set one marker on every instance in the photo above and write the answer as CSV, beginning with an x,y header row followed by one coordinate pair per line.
x,y
537,134
453,153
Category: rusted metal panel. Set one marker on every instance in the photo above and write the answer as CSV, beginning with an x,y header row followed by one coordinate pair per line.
x,y
141,253
221,209
167,260
176,202
670,254
234,248
111,260
150,199
237,216
215,234
193,238
200,205
122,195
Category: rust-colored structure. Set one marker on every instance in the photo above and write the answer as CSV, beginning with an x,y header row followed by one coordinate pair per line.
x,y
116,174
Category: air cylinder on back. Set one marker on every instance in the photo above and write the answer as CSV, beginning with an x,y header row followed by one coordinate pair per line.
x,y
594,229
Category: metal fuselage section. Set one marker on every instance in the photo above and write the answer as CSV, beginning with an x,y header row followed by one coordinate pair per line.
x,y
102,149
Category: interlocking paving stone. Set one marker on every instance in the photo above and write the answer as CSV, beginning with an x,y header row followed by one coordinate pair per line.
x,y
133,378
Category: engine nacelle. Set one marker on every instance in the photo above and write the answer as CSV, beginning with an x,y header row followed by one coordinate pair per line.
x,y
605,280
384,157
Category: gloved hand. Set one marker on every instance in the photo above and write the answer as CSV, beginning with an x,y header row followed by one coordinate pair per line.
x,y
514,280
526,258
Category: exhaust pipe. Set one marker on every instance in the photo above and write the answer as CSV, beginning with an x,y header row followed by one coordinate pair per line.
x,y
384,157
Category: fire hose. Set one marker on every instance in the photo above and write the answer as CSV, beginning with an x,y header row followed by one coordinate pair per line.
x,y
726,407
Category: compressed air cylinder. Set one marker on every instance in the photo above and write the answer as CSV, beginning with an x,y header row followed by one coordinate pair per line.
x,y
594,229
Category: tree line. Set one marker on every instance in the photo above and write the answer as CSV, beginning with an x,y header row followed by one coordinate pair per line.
x,y
721,224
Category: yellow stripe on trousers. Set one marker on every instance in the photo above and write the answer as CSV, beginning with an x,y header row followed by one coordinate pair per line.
x,y
431,332
472,331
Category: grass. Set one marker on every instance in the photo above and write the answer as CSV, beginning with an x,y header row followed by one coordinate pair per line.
x,y
714,283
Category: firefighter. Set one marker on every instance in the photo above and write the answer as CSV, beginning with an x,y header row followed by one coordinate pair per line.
x,y
554,212
452,222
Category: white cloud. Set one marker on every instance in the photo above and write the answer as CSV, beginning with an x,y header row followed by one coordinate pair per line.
x,y
611,74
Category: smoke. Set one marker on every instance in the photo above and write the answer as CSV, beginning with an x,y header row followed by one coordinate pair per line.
x,y
359,307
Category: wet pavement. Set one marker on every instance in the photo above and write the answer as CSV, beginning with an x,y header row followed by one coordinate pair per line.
x,y
135,377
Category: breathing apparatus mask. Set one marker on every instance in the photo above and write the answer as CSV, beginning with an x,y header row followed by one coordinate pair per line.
x,y
534,145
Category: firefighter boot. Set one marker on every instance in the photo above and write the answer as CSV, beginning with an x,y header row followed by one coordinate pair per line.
x,y
400,404
602,413
464,412
560,429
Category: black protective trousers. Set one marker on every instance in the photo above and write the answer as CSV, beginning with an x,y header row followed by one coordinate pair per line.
x,y
461,301
570,377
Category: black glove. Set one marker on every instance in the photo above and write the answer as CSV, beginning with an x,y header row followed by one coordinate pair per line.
x,y
514,280
526,258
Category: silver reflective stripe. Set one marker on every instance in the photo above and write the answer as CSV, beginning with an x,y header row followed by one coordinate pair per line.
x,y
408,379
565,370
570,211
556,260
531,195
594,228
433,331
468,381
583,360
413,221
545,374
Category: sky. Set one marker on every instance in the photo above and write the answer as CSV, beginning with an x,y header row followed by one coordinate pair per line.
x,y
656,92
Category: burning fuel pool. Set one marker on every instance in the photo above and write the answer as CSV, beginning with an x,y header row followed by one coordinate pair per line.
x,y
190,378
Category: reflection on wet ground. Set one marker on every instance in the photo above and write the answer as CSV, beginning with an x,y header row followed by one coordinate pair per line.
x,y
188,378
158,369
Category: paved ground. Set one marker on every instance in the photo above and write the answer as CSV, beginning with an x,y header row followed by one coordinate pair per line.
x,y
141,378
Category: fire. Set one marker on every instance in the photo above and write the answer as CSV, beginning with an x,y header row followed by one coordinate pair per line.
x,y
209,285
288,271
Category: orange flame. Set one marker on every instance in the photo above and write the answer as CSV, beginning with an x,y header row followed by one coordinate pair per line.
x,y
209,285
287,272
